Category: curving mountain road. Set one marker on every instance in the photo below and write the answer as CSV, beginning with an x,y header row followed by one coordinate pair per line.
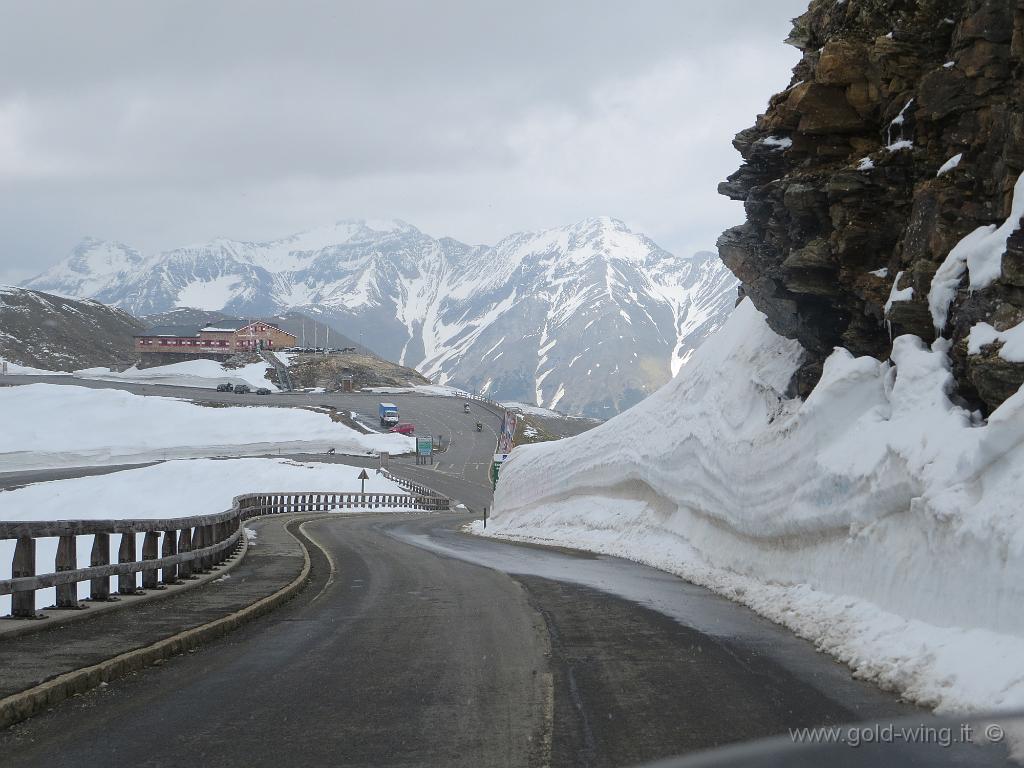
x,y
418,645
415,644
460,471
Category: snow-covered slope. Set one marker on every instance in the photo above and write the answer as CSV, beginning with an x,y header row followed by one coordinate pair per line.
x,y
877,517
48,425
589,318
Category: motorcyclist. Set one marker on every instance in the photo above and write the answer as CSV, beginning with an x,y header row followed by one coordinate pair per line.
x,y
479,427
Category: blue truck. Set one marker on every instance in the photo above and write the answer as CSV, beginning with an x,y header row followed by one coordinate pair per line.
x,y
388,413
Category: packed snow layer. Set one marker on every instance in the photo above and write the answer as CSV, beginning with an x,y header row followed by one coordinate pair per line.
x,y
13,369
436,390
950,164
188,373
1012,341
47,425
536,410
876,518
190,487
898,294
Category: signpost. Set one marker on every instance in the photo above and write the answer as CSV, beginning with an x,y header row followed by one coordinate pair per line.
x,y
424,449
384,457
363,477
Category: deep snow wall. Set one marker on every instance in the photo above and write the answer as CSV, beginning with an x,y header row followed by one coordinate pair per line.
x,y
873,514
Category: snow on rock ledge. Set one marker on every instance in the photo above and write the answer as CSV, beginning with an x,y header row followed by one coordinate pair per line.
x,y
876,517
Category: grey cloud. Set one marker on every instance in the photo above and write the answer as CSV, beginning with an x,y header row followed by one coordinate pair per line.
x,y
170,122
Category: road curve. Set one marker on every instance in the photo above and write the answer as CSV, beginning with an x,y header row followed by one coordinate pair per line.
x,y
461,471
418,645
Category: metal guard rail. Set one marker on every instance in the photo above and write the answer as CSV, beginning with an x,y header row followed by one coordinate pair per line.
x,y
412,486
190,544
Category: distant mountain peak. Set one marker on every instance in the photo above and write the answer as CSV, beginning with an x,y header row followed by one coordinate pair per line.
x,y
589,317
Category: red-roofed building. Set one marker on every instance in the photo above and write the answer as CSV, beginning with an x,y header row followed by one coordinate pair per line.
x,y
212,340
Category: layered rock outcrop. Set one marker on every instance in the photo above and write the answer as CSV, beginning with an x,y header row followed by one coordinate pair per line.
x,y
901,133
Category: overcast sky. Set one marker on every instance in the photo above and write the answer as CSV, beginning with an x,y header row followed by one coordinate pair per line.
x,y
161,124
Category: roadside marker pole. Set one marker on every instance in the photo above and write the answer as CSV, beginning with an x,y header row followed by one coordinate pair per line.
x,y
485,517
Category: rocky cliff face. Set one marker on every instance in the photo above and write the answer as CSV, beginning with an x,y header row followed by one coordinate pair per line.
x,y
901,135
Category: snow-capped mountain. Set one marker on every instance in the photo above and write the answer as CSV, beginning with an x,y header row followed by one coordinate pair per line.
x,y
588,318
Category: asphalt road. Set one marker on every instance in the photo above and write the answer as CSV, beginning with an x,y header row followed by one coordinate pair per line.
x,y
416,645
461,470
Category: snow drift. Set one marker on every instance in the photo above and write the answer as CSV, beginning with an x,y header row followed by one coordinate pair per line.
x,y
188,373
48,425
876,518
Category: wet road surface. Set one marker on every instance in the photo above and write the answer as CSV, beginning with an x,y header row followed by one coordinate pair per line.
x,y
416,644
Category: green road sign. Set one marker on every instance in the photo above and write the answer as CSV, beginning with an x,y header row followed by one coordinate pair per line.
x,y
424,445
499,459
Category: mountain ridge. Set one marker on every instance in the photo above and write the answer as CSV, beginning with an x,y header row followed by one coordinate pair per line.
x,y
49,332
540,316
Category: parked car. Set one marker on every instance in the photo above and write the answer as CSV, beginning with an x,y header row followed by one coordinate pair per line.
x,y
242,389
225,388
403,429
262,391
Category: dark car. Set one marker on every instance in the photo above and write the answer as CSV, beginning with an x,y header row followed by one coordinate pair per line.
x,y
242,389
262,391
225,388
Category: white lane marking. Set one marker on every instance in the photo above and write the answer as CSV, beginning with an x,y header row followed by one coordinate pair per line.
x,y
322,548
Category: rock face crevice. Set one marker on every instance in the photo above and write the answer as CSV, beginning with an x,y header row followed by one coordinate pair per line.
x,y
854,191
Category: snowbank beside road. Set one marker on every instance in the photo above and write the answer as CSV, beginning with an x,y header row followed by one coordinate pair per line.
x,y
47,425
13,369
876,517
189,373
186,488
418,389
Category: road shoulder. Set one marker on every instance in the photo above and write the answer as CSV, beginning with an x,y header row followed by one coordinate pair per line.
x,y
61,660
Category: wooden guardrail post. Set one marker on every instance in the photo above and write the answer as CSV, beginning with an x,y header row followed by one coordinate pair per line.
x,y
198,542
208,540
169,549
185,545
150,551
99,589
222,533
126,554
67,560
23,604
